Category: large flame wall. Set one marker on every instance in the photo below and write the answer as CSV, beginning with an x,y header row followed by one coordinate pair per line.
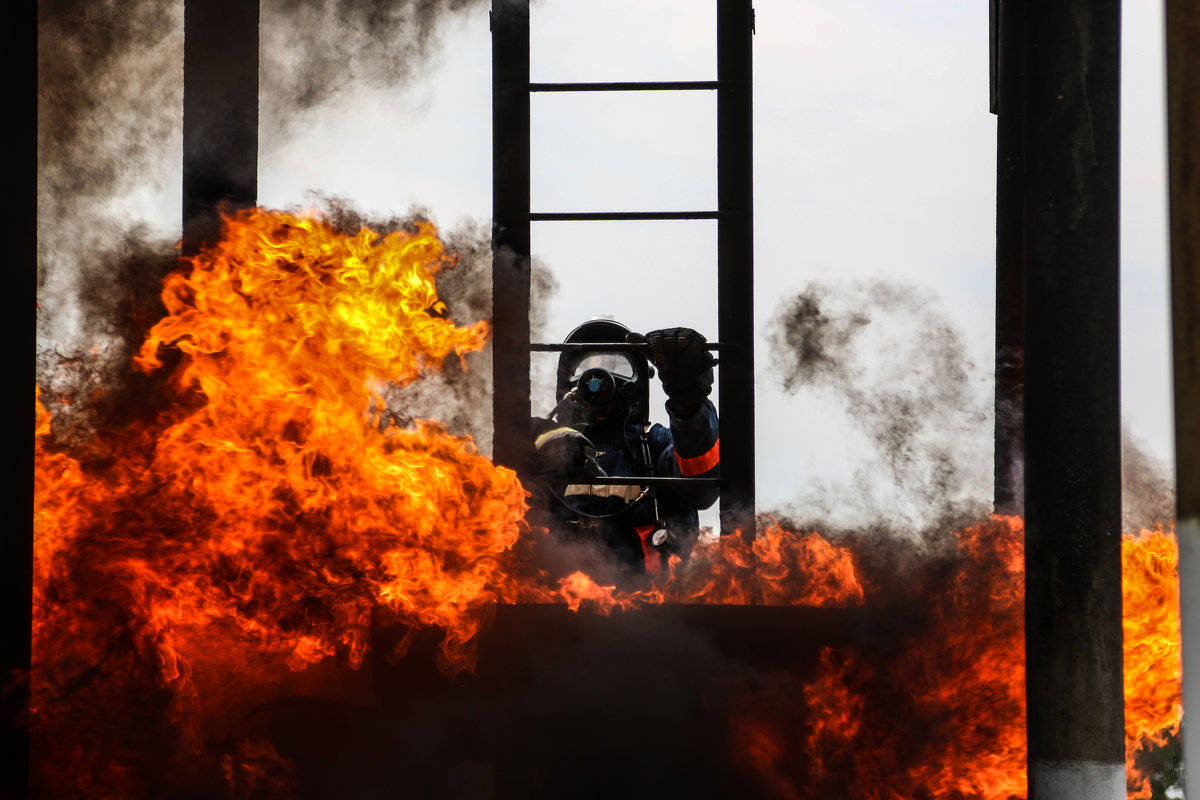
x,y
264,514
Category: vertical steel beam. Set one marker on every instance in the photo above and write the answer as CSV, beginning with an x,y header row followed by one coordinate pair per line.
x,y
994,56
1009,105
220,111
735,262
1183,123
16,552
511,443
1072,400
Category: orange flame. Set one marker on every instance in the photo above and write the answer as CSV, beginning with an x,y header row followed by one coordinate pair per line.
x,y
780,568
940,711
1153,659
266,513
960,673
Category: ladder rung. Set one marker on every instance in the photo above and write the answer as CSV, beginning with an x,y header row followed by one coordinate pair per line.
x,y
646,480
630,86
589,216
571,347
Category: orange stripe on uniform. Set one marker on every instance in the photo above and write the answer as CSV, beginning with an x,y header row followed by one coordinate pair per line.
x,y
698,465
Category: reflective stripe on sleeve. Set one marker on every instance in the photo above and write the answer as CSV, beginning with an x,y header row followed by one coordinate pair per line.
x,y
626,493
540,441
698,465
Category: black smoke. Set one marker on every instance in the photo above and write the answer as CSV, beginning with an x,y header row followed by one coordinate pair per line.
x,y
316,50
1147,487
89,384
110,107
110,94
110,101
896,364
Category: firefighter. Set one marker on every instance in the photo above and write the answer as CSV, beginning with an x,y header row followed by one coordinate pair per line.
x,y
600,429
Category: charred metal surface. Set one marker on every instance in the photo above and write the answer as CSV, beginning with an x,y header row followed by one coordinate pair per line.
x,y
220,111
512,443
1071,50
1183,121
561,704
1009,89
735,262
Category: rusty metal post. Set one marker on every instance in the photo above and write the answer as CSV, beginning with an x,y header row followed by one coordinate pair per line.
x,y
735,262
1183,123
220,112
511,444
1072,399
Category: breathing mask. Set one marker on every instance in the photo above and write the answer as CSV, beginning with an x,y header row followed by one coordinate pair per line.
x,y
602,384
606,383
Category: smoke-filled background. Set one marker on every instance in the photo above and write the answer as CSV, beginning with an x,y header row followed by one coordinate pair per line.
x,y
875,185
874,182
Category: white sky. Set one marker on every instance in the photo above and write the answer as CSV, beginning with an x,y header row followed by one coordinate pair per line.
x,y
874,158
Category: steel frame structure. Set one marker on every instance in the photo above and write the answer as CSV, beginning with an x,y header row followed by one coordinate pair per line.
x,y
220,112
512,218
1055,89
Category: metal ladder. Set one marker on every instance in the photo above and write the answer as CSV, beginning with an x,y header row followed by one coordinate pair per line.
x,y
512,216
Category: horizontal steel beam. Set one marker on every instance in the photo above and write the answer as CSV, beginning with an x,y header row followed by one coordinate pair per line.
x,y
632,86
648,480
600,216
575,347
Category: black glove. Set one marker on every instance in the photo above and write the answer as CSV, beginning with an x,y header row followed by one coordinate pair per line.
x,y
684,365
566,453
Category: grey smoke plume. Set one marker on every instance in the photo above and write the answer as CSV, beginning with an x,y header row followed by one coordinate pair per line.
x,y
898,367
110,98
110,95
1147,487
85,375
314,50
896,363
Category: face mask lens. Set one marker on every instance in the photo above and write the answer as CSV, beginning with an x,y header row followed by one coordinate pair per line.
x,y
618,364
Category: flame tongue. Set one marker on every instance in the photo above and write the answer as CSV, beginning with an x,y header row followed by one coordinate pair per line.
x,y
287,327
1153,666
938,711
267,511
264,513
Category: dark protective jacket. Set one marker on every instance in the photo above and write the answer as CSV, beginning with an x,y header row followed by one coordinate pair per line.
x,y
623,518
